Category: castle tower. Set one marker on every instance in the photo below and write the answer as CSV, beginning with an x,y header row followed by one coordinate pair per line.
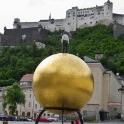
x,y
16,23
108,11
71,18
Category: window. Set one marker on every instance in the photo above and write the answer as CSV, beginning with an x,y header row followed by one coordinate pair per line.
x,y
23,113
17,113
29,105
73,13
68,15
28,114
35,115
91,17
36,106
30,95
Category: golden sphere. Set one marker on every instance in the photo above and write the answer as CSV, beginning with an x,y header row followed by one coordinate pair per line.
x,y
63,80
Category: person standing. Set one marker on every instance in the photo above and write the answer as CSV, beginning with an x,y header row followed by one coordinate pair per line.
x,y
65,42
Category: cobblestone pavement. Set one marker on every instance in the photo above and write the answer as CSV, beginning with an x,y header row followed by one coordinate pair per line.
x,y
108,122
112,122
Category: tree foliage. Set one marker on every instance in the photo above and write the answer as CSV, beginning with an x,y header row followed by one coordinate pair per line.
x,y
15,62
13,96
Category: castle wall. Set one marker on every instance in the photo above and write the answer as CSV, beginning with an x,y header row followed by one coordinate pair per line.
x,y
71,18
78,18
118,29
119,18
26,25
59,24
0,39
108,10
90,17
44,23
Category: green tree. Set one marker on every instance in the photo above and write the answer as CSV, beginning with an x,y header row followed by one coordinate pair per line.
x,y
13,96
20,60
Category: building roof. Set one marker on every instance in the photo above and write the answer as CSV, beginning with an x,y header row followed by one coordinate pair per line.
x,y
27,78
44,20
116,14
89,60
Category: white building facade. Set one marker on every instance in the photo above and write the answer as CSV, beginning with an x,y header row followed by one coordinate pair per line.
x,y
31,108
77,18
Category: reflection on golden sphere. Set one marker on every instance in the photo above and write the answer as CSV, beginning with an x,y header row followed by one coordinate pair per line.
x,y
63,80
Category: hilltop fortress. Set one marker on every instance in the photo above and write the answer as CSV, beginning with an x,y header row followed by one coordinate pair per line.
x,y
77,18
28,32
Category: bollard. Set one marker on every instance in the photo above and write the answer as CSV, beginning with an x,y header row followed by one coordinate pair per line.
x,y
5,122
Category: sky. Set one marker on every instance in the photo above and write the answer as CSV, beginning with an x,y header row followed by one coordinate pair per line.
x,y
35,10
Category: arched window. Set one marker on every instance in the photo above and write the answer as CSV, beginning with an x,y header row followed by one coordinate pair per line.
x,y
23,113
35,115
28,114
17,113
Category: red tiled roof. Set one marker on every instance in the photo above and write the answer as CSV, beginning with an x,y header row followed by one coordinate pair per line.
x,y
27,77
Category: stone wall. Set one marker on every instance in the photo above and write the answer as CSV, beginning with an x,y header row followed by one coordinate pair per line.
x,y
119,18
118,30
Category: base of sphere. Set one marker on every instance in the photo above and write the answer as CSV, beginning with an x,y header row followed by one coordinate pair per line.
x,y
60,109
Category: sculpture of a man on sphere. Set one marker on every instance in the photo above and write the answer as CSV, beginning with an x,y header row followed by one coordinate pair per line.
x,y
65,42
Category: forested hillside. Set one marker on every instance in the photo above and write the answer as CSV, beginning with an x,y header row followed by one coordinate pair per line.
x,y
15,62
